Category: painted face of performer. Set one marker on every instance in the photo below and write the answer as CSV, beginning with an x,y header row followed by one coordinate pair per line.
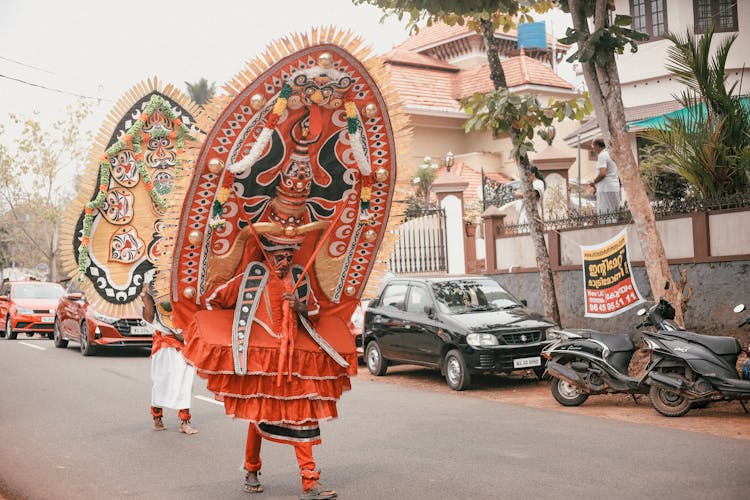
x,y
281,260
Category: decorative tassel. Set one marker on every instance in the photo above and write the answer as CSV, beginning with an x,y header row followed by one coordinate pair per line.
x,y
360,157
249,160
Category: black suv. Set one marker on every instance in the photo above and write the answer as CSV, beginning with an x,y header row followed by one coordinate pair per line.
x,y
460,324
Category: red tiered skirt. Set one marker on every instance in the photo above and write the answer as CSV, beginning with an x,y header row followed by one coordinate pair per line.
x,y
308,396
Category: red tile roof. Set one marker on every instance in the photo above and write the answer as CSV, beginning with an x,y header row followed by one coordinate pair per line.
x,y
422,83
405,57
438,33
424,86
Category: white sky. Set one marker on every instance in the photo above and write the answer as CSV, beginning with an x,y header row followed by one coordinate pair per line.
x,y
101,48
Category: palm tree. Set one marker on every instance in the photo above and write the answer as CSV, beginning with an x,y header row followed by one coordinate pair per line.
x,y
201,92
708,143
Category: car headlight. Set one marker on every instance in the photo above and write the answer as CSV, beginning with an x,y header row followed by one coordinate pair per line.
x,y
481,340
104,318
24,310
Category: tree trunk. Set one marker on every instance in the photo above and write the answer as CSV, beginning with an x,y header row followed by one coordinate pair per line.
x,y
536,229
53,256
603,84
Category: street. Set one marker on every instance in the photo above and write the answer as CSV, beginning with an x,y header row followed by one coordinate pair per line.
x,y
78,428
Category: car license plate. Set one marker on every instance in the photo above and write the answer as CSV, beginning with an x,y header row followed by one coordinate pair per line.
x,y
527,362
140,330
48,319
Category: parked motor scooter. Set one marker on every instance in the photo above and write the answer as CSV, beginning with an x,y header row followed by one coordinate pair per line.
x,y
588,362
689,370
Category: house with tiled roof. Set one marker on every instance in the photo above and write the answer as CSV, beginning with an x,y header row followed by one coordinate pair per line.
x,y
648,87
435,68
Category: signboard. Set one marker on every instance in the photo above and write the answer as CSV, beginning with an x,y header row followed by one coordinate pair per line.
x,y
609,288
532,35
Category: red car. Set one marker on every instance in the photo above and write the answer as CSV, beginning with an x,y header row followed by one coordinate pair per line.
x,y
28,307
78,321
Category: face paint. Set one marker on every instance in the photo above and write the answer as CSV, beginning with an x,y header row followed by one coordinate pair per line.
x,y
281,260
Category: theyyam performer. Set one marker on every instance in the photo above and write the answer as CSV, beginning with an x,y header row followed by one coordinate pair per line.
x,y
114,232
278,234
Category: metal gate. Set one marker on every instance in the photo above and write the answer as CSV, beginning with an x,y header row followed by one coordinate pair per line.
x,y
421,245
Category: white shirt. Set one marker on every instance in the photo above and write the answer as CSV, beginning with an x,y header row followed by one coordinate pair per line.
x,y
610,182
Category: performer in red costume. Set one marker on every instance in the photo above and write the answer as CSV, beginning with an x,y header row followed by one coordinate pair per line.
x,y
284,396
277,237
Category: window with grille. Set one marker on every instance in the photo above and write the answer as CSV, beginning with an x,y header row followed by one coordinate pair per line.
x,y
650,17
721,15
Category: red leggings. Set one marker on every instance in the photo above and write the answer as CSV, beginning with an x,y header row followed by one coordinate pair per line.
x,y
303,451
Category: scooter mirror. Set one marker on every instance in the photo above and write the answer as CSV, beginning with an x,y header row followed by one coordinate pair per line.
x,y
739,308
641,311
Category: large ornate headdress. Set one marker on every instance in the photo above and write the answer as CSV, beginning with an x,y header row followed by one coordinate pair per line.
x,y
303,152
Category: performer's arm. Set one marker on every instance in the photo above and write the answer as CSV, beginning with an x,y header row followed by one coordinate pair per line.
x,y
223,296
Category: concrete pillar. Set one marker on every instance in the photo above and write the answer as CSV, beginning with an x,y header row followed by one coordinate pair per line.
x,y
449,190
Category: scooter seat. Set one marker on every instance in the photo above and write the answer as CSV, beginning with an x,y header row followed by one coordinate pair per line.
x,y
616,342
720,345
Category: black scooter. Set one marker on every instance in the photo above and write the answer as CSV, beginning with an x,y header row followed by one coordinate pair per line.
x,y
588,362
689,370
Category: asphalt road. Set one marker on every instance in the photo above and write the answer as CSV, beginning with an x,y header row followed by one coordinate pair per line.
x,y
79,428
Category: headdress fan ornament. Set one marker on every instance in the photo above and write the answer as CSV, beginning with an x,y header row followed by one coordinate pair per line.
x,y
138,167
302,152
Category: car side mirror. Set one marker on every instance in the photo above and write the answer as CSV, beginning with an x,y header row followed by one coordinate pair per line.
x,y
429,311
524,302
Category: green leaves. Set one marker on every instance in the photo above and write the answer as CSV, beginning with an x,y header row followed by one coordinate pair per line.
x,y
519,115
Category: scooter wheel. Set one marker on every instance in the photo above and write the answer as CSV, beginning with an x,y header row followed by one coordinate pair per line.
x,y
668,403
566,393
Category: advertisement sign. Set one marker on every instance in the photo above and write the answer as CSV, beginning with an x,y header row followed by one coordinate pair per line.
x,y
609,289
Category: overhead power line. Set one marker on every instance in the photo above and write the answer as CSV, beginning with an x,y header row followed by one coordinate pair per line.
x,y
27,65
54,90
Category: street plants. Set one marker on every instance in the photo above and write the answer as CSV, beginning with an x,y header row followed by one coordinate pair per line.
x,y
708,142
37,181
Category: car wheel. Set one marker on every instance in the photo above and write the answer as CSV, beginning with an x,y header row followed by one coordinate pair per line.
x,y
668,403
456,373
566,393
376,363
57,336
9,333
87,348
29,334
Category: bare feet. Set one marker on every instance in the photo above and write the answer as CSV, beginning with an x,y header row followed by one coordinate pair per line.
x,y
159,425
186,429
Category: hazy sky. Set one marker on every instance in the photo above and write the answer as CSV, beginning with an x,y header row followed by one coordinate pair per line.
x,y
101,48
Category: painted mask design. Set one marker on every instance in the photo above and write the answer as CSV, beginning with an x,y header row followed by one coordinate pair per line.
x,y
118,206
125,168
126,246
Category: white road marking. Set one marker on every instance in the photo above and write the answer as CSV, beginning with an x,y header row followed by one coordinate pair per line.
x,y
34,346
208,400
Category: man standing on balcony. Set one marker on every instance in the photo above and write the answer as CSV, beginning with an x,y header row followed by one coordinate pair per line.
x,y
606,185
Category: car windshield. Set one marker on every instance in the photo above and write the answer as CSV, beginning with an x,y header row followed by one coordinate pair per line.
x,y
461,296
38,291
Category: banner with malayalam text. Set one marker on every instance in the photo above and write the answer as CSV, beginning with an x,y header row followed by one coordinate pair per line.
x,y
609,288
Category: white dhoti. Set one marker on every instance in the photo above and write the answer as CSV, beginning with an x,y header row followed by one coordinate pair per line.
x,y
172,379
